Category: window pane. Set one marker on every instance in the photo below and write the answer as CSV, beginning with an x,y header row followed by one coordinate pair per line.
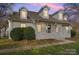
x,y
60,16
23,14
39,28
66,28
45,13
56,29
23,25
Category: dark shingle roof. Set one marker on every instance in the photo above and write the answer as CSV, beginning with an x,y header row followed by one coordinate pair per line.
x,y
16,18
34,16
57,12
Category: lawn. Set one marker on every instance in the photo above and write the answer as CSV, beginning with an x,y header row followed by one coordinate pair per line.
x,y
7,44
50,50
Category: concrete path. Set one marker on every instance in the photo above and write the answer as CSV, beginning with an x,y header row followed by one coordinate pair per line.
x,y
38,46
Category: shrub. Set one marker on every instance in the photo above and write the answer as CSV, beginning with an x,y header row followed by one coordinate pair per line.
x,y
22,33
73,33
28,33
16,34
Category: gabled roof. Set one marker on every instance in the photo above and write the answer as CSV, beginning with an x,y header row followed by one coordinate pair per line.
x,y
57,12
34,16
23,8
31,16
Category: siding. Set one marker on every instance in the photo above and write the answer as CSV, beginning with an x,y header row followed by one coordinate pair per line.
x,y
62,34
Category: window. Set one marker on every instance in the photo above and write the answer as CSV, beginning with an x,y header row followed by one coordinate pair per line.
x,y
59,28
67,28
23,25
56,29
45,13
48,28
39,27
65,18
60,16
23,14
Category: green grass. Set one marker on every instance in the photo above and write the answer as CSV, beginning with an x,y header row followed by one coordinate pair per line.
x,y
7,44
51,50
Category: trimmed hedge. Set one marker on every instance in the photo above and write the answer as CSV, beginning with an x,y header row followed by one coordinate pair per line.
x,y
28,33
73,33
16,34
22,33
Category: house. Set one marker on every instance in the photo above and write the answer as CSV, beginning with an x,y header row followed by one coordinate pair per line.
x,y
46,26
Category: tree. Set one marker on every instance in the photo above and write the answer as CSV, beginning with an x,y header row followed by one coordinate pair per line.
x,y
5,9
72,10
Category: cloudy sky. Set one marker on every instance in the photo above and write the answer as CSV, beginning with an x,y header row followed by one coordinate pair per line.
x,y
36,6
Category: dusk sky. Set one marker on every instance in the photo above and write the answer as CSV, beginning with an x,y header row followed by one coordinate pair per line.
x,y
36,6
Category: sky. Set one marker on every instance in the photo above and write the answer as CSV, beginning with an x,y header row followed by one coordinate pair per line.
x,y
37,6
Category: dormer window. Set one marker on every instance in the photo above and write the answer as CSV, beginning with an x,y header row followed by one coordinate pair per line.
x,y
23,13
45,12
61,16
65,17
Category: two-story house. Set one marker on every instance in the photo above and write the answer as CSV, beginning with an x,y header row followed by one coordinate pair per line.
x,y
46,26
